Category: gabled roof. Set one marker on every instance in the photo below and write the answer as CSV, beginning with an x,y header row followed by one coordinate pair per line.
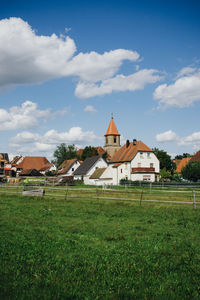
x,y
196,156
97,173
16,159
128,153
112,129
66,165
86,165
183,162
34,162
46,168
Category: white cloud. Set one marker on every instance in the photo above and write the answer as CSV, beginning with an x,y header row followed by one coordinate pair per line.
x,y
28,58
186,71
27,142
24,117
167,136
90,108
93,66
119,83
183,92
192,140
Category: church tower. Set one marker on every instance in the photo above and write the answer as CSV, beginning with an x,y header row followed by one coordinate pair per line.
x,y
112,139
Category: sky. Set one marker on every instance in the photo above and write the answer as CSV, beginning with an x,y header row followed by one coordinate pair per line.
x,y
66,66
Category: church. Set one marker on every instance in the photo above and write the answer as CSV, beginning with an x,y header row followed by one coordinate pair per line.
x,y
133,161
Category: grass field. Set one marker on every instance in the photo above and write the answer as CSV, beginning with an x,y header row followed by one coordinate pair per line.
x,y
54,248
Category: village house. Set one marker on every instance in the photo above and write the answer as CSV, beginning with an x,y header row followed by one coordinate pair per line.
x,y
38,163
87,168
68,167
4,161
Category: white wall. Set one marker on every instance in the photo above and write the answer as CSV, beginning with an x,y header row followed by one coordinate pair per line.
x,y
145,160
100,163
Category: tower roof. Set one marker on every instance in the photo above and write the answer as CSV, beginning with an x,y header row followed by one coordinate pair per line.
x,y
112,129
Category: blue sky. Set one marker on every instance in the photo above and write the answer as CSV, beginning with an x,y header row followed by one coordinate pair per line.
x,y
65,66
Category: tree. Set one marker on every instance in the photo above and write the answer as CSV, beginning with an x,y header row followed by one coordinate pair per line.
x,y
165,160
89,151
165,175
184,155
64,152
191,171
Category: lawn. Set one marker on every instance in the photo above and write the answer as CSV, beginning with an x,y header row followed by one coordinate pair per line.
x,y
89,249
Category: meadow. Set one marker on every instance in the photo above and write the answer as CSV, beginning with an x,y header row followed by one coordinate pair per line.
x,y
84,248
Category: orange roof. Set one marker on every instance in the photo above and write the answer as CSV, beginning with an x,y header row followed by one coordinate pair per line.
x,y
112,129
196,156
66,165
34,162
128,153
182,164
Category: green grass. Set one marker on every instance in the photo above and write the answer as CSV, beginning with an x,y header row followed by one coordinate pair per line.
x,y
87,249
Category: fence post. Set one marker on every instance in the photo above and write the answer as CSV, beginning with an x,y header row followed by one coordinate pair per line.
x,y
66,194
150,187
97,194
194,199
141,197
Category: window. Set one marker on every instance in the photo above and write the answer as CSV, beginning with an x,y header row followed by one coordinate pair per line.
x,y
72,169
115,139
106,140
141,155
151,165
148,155
121,171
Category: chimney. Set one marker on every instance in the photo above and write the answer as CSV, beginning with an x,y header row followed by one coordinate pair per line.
x,y
127,143
134,141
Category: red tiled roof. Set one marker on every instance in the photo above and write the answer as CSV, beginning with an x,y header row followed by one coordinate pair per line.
x,y
182,164
34,162
66,165
128,153
196,156
112,129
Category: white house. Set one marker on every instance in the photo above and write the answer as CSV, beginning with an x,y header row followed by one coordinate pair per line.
x,y
134,161
68,167
87,168
102,176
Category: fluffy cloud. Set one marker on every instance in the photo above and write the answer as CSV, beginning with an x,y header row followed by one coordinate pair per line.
x,y
27,142
90,108
27,58
24,116
183,92
167,136
190,140
119,83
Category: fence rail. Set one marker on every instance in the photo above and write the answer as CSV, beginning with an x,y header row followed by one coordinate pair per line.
x,y
141,195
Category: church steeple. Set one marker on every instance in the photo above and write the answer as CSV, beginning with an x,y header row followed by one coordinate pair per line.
x,y
112,138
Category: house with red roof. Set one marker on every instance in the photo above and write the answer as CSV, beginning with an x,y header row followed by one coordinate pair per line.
x,y
133,161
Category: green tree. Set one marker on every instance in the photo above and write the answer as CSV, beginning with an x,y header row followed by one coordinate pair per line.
x,y
191,171
165,160
184,155
64,152
165,175
89,151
